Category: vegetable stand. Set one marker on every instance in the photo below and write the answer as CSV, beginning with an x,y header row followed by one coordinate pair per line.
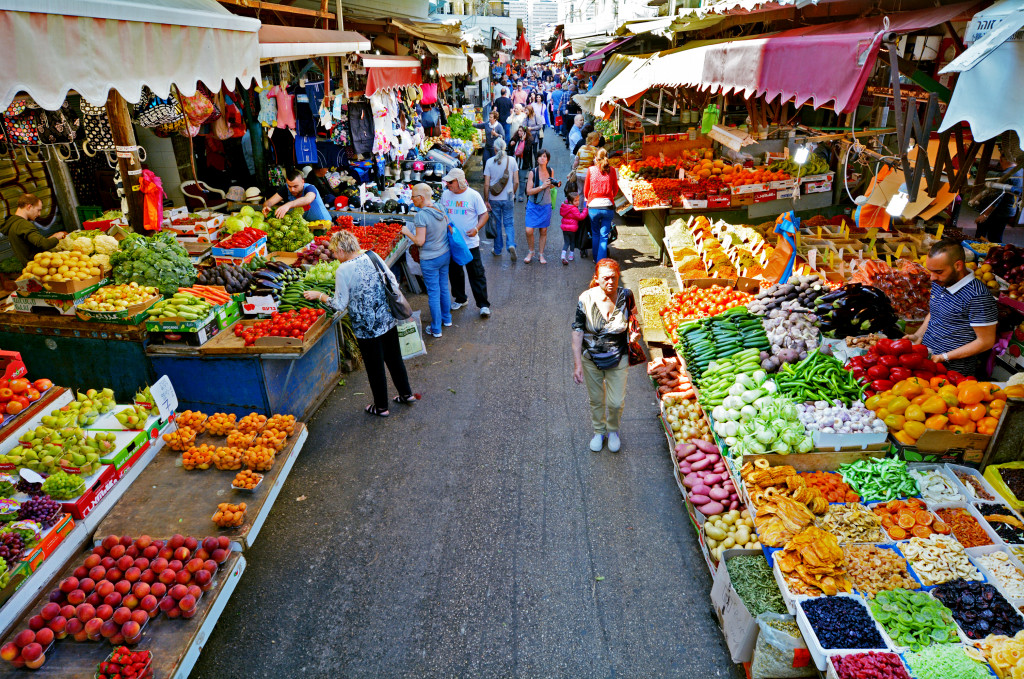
x,y
222,375
166,485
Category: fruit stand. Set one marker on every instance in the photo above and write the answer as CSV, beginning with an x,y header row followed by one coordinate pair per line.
x,y
825,497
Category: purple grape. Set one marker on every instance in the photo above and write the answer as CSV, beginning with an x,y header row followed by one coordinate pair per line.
x,y
11,547
29,488
41,508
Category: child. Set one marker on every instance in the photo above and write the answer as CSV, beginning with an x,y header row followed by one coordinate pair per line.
x,y
571,216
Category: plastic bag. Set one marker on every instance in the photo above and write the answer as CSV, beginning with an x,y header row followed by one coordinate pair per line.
x,y
780,651
410,337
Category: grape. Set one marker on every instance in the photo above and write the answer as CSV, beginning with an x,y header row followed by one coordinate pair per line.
x,y
39,508
63,486
11,547
6,488
29,488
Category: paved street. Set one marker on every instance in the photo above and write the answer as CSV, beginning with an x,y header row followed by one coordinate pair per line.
x,y
474,534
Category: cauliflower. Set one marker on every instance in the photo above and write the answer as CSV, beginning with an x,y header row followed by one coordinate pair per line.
x,y
102,261
82,244
105,244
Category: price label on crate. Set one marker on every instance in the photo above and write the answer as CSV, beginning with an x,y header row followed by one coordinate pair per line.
x,y
164,397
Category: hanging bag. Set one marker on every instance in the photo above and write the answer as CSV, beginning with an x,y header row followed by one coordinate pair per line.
x,y
22,124
96,128
497,187
399,305
60,126
154,111
198,108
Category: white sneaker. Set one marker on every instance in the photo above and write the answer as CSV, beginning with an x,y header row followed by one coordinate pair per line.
x,y
438,335
512,252
597,443
485,312
570,255
457,305
613,441
447,325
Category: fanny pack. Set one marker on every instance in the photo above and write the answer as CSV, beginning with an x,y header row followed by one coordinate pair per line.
x,y
606,360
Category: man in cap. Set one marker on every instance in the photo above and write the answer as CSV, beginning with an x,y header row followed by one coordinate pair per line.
x,y
466,212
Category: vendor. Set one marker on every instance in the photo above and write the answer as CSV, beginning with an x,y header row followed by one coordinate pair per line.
x,y
26,241
297,193
962,314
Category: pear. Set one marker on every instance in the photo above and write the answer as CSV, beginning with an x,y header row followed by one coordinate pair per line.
x,y
107,393
92,457
48,460
30,455
48,420
81,396
78,460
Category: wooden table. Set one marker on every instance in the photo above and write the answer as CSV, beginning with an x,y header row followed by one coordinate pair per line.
x,y
166,499
175,644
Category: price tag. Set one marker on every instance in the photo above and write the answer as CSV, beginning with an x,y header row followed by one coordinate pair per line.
x,y
812,259
164,397
797,238
938,232
888,259
819,232
872,237
899,250
874,251
832,259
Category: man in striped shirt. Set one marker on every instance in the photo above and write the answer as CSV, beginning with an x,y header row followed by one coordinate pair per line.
x,y
962,314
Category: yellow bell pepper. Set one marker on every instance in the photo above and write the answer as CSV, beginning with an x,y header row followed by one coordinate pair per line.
x,y
914,429
898,405
904,438
895,422
934,405
936,422
914,413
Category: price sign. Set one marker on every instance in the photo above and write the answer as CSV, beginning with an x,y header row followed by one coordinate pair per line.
x,y
812,258
819,232
913,251
938,233
797,238
888,259
872,237
164,397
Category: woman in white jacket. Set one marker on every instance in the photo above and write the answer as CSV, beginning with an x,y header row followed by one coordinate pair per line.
x,y
516,120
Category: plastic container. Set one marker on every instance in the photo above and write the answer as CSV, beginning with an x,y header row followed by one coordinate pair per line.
x,y
830,669
19,662
920,574
990,576
248,490
145,673
956,471
970,509
946,476
818,652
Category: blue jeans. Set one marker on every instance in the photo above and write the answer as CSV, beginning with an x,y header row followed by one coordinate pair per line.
x,y
508,131
502,212
435,277
601,230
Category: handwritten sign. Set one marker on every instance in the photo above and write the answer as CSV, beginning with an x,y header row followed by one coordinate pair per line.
x,y
164,397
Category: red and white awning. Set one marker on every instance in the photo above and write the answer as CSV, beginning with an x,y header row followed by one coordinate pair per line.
x,y
385,70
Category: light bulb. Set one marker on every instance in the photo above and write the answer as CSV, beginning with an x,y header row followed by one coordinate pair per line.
x,y
801,155
897,204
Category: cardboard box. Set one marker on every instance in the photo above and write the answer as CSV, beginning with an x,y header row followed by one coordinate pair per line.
x,y
19,573
197,252
193,338
271,342
812,178
764,196
694,204
748,188
39,305
741,199
133,315
945,447
738,626
49,542
33,287
178,324
718,201
259,305
817,187
203,237
786,194
239,261
109,475
227,314
783,184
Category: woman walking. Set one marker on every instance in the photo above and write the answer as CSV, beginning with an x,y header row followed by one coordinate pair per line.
x,y
522,145
539,185
358,288
431,236
536,120
600,336
599,189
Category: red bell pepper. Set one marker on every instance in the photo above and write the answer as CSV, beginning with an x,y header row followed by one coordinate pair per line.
x,y
955,377
884,346
940,368
923,374
889,361
869,359
927,366
881,385
899,373
878,372
920,349
901,346
859,374
910,359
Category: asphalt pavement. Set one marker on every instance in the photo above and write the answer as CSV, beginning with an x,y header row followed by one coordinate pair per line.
x,y
474,534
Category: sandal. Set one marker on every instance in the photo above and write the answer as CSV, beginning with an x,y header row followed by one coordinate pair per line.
x,y
407,400
374,410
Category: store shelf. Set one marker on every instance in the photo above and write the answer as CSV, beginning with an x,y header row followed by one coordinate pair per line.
x,y
189,498
175,644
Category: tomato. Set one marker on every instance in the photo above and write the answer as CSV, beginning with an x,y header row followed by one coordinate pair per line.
x,y
19,385
6,394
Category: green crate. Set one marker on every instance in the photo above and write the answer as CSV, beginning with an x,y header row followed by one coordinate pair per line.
x,y
87,212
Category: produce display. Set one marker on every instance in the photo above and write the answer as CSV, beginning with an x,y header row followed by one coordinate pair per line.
x,y
851,522
1004,653
752,578
221,424
63,486
818,377
728,530
234,279
906,287
288,234
752,420
242,239
670,377
292,297
229,515
119,297
685,420
938,559
890,361
702,468
812,564
935,486
965,527
879,479
803,291
791,335
228,457
837,418
733,336
856,309
47,449
286,324
1004,572
123,663
814,164
913,406
381,237
183,305
831,486
259,458
873,569
17,394
943,661
913,620
842,622
779,519
1004,522
974,487
871,664
180,439
61,267
1007,262
40,508
694,302
193,419
157,261
909,518
198,457
246,480
979,609
246,217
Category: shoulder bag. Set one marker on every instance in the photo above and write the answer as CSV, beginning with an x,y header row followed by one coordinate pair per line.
x,y
499,186
636,350
397,302
96,127
154,111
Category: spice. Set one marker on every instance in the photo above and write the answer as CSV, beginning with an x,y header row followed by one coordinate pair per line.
x,y
842,622
752,578
852,522
870,664
979,609
914,619
978,491
965,527
873,569
944,661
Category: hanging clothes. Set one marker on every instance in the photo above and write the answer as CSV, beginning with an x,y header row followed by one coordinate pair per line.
x,y
268,108
285,108
152,190
315,94
360,119
305,119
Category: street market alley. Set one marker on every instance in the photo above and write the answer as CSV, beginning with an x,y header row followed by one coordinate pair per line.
x,y
474,534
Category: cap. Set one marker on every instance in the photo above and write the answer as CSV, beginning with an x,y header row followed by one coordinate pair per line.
x,y
454,174
306,170
236,194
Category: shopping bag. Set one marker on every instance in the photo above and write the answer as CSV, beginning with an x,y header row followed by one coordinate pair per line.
x,y
58,127
457,245
153,111
96,128
410,337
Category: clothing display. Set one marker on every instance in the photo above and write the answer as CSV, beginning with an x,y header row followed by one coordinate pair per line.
x,y
285,107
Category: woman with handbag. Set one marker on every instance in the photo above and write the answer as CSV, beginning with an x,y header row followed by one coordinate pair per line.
x,y
605,342
522,144
359,288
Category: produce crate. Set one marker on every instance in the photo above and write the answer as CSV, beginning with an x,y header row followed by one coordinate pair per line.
x,y
819,654
227,314
177,324
953,469
64,290
820,461
242,253
944,447
190,337
133,315
198,251
654,331
41,305
739,627
98,483
239,261
49,542
994,478
88,212
20,572
98,224
271,342
977,253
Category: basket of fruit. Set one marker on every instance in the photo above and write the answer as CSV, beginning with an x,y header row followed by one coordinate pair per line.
x,y
220,424
180,439
228,458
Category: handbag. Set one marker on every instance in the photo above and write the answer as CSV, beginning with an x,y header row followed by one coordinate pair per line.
x,y
520,148
606,360
58,127
22,124
198,108
96,128
636,351
457,246
397,302
499,186
153,111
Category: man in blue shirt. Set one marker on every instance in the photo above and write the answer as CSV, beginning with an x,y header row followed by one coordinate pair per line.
x,y
297,193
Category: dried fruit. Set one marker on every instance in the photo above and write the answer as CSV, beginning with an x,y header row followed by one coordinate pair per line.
x,y
979,609
812,564
872,569
965,527
842,622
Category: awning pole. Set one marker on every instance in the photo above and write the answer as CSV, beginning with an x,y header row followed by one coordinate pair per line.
x,y
123,134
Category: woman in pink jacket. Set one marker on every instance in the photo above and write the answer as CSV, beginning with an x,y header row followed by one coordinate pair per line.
x,y
572,215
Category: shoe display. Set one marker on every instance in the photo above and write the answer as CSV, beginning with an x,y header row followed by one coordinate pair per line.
x,y
485,312
613,441
597,443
